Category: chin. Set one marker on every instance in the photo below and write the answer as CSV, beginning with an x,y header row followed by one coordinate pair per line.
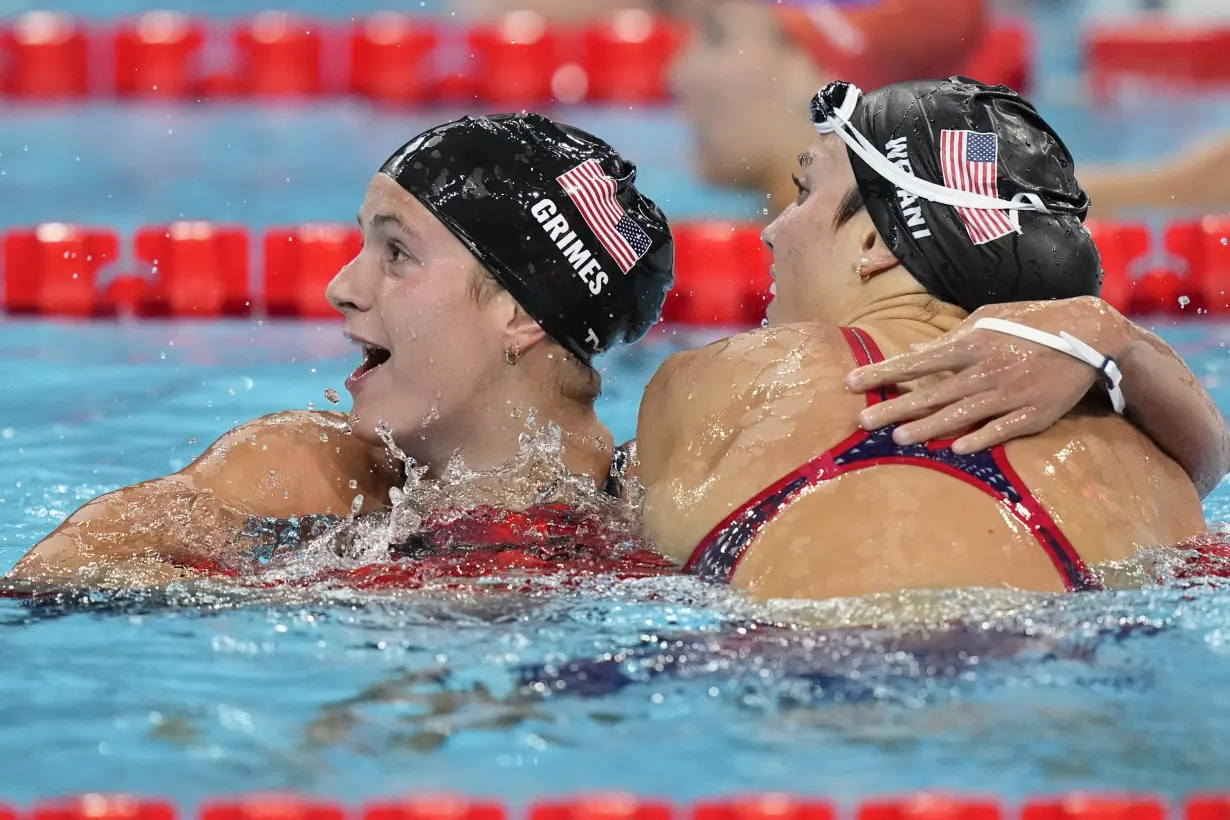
x,y
360,429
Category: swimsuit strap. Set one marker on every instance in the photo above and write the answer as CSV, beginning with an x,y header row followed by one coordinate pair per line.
x,y
717,556
614,486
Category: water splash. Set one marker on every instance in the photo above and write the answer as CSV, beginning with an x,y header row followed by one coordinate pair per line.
x,y
421,507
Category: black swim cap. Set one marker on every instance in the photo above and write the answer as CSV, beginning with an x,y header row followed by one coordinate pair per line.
x,y
554,214
971,139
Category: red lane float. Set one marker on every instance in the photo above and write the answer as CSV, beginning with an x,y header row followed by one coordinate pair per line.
x,y
444,807
53,269
721,275
1095,807
299,264
1121,245
273,807
104,807
47,56
519,59
628,56
1152,52
158,55
1003,57
763,807
280,55
199,270
391,58
1201,249
931,807
621,806
602,807
515,59
1207,807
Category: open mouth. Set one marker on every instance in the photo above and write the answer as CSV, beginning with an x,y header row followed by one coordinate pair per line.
x,y
373,357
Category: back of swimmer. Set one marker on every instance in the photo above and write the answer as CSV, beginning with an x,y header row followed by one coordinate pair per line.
x,y
917,205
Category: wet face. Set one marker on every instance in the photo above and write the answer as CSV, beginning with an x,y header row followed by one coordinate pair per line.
x,y
724,80
427,346
814,258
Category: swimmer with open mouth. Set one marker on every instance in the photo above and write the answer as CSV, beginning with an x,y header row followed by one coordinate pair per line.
x,y
500,255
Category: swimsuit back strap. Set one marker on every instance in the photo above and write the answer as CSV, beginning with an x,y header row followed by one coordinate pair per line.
x,y
718,554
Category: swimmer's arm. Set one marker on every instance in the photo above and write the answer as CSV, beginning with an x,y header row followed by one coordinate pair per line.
x,y
157,531
1168,403
149,534
1014,388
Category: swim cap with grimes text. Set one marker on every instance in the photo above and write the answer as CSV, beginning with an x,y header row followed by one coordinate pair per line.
x,y
969,187
554,214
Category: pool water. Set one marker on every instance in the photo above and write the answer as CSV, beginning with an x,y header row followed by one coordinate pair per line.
x,y
661,686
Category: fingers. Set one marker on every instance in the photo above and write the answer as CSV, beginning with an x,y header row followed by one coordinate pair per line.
x,y
936,358
1024,422
926,400
953,419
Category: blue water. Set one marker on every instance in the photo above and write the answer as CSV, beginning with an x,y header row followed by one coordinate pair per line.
x,y
200,691
660,686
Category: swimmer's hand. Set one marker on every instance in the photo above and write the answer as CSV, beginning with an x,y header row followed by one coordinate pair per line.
x,y
1012,387
1015,388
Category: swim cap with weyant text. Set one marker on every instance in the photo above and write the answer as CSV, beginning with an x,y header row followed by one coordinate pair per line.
x,y
969,187
554,214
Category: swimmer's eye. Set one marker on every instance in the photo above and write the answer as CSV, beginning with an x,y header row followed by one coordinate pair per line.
x,y
398,254
798,183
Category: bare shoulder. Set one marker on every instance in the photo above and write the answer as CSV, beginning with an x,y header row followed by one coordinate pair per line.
x,y
753,360
307,459
692,385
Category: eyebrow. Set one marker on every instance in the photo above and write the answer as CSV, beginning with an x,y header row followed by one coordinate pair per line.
x,y
805,158
382,219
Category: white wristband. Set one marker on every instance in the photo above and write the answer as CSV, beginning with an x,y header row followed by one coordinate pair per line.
x,y
1065,343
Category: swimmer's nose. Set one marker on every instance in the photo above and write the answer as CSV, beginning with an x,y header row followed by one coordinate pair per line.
x,y
766,236
346,292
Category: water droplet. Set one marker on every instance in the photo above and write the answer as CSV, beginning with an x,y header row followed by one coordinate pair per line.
x,y
1184,301
192,440
353,484
331,395
357,504
324,436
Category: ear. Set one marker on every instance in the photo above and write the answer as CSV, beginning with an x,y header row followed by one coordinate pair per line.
x,y
872,248
521,331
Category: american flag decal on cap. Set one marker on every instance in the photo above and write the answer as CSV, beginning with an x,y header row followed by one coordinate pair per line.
x,y
969,160
593,192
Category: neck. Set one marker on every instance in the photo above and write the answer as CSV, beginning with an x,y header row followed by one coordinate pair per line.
x,y
488,436
921,313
